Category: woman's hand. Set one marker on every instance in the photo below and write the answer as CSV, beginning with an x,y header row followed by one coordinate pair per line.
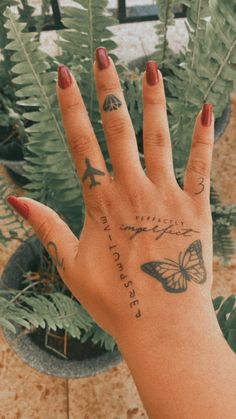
x,y
145,251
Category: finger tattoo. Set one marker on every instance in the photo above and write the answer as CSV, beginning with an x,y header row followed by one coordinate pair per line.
x,y
111,103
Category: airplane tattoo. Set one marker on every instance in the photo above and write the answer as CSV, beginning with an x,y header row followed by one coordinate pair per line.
x,y
91,172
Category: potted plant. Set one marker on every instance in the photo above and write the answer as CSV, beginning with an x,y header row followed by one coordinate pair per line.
x,y
34,302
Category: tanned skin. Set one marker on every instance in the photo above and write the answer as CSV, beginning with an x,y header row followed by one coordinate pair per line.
x,y
142,266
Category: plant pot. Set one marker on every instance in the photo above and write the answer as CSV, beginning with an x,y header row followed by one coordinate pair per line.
x,y
92,359
15,170
12,157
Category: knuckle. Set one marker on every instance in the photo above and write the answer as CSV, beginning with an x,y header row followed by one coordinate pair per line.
x,y
44,230
99,203
115,127
109,88
80,144
203,141
198,166
154,99
136,198
156,138
76,106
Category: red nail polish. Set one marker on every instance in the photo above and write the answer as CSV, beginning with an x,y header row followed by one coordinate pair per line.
x,y
102,58
20,207
64,76
152,73
206,114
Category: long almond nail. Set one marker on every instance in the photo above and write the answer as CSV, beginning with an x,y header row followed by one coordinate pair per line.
x,y
64,76
152,73
206,116
102,58
20,207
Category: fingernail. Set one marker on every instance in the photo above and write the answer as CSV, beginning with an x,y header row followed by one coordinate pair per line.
x,y
206,114
152,73
64,76
20,207
102,58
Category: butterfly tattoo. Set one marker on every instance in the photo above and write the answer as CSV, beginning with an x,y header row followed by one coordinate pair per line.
x,y
174,276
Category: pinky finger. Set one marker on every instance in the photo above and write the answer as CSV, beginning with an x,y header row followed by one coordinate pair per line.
x,y
197,174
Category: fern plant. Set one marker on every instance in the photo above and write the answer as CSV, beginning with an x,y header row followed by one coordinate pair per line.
x,y
49,166
163,53
226,316
205,71
88,26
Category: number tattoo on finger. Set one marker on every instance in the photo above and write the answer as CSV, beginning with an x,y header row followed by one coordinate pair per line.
x,y
201,183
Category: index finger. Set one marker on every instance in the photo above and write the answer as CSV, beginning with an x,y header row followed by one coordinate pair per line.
x,y
83,143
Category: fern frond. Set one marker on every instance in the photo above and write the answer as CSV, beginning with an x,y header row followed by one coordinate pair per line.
x,y
87,28
224,218
206,72
226,316
47,152
166,19
10,220
132,89
54,310
99,336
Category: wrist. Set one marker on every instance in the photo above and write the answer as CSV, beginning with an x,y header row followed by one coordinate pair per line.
x,y
192,323
189,359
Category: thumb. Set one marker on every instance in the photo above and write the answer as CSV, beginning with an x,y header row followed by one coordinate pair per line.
x,y
54,233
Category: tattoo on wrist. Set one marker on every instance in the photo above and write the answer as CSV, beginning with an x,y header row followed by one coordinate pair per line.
x,y
201,184
111,103
91,172
59,263
174,276
123,276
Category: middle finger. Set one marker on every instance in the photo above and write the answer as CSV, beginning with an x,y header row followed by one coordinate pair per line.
x,y
117,124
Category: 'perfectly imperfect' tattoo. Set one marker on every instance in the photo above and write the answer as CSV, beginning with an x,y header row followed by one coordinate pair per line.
x,y
157,230
174,276
91,172
55,258
123,276
111,103
201,183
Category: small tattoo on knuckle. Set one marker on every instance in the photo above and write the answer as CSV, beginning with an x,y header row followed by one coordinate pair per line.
x,y
111,103
201,184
